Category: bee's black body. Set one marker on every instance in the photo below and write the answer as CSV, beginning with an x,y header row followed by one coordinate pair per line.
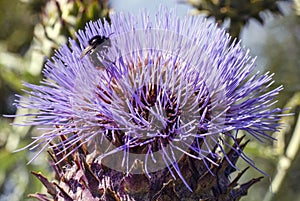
x,y
94,42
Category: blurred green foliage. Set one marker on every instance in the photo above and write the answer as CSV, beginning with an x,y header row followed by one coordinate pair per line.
x,y
282,50
238,12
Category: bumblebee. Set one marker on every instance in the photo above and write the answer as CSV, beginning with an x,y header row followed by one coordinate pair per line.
x,y
94,42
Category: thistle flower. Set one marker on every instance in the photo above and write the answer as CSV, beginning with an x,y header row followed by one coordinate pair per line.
x,y
151,98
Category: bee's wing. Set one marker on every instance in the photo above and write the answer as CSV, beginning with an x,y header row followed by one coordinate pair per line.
x,y
85,51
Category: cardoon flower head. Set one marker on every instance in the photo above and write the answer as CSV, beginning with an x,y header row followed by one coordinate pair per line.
x,y
145,96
